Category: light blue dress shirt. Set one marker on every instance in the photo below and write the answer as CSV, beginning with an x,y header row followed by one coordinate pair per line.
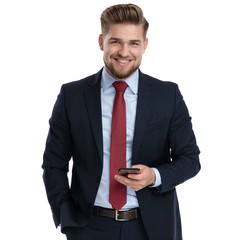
x,y
107,98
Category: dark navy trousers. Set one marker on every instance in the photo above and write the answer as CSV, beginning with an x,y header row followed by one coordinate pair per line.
x,y
102,228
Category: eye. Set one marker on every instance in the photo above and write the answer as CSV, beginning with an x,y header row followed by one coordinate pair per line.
x,y
134,44
115,42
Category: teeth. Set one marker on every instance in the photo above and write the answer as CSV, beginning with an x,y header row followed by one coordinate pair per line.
x,y
123,61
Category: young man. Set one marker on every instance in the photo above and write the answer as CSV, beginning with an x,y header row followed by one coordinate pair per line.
x,y
118,118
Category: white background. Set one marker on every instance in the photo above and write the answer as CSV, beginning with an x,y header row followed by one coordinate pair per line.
x,y
46,43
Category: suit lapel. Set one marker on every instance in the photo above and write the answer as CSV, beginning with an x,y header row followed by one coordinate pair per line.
x,y
144,104
92,96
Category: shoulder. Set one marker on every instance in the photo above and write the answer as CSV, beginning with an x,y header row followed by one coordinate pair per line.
x,y
157,84
83,83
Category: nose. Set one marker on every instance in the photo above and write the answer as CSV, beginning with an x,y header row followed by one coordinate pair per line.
x,y
123,51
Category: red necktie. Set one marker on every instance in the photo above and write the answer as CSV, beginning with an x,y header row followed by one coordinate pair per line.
x,y
118,192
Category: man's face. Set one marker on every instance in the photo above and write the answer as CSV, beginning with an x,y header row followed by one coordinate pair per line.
x,y
122,48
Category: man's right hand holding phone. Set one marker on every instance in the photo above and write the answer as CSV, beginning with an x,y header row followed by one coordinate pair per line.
x,y
137,179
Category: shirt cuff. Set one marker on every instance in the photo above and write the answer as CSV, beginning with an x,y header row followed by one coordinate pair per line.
x,y
158,181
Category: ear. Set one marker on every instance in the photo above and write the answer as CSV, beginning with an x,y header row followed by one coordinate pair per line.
x,y
100,41
145,45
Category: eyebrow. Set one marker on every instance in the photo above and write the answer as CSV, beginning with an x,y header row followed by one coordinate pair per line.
x,y
119,39
139,41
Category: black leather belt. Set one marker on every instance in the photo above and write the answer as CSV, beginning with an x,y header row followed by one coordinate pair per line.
x,y
121,215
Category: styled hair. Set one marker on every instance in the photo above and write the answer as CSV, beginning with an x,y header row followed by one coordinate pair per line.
x,y
123,13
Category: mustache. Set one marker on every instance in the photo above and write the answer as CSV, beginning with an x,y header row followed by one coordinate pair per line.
x,y
123,58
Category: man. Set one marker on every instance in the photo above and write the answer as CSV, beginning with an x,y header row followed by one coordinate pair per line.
x,y
114,119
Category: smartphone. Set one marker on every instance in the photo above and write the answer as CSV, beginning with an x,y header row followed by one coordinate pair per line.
x,y
125,171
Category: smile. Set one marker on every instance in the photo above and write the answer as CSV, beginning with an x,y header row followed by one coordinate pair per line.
x,y
122,62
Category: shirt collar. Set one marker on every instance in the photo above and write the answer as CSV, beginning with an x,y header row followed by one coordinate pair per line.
x,y
108,80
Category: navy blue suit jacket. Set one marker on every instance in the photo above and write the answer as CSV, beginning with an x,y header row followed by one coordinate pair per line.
x,y
163,139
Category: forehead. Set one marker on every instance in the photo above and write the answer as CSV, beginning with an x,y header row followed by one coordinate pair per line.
x,y
125,31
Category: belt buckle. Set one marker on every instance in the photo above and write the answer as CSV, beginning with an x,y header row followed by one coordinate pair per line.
x,y
117,216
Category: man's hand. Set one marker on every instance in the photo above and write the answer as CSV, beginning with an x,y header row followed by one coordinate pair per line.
x,y
140,180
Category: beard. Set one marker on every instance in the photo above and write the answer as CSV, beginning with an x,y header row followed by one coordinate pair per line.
x,y
120,74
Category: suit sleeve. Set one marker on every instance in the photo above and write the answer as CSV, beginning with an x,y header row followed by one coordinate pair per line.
x,y
184,162
56,158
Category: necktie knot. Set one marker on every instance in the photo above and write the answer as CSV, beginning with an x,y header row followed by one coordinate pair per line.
x,y
120,86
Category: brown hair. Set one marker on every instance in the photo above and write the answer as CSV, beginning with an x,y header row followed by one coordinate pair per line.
x,y
123,13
